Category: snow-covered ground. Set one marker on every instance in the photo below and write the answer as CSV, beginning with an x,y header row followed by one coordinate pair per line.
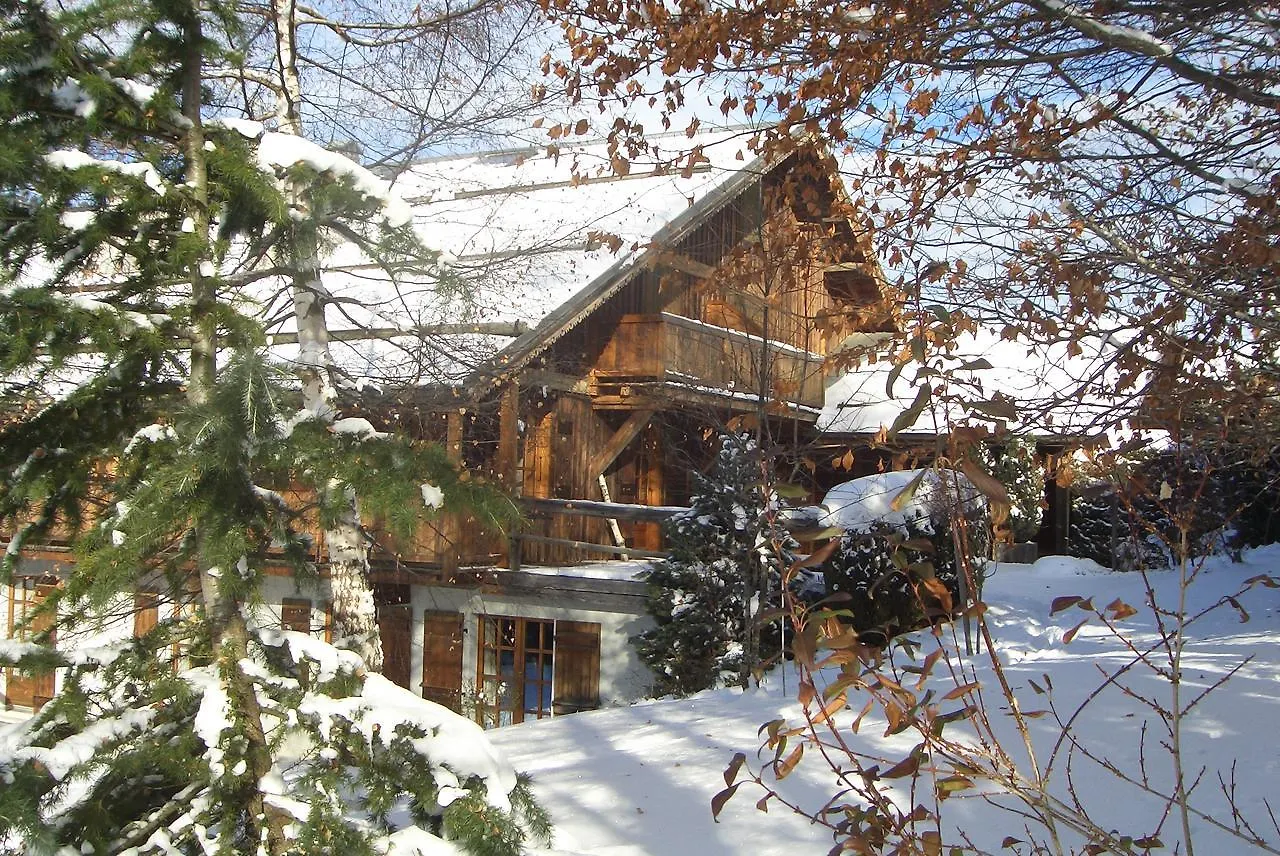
x,y
639,780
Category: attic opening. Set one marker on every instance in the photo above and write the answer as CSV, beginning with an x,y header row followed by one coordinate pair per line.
x,y
853,285
806,185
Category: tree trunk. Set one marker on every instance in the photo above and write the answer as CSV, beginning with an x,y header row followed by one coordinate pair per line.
x,y
354,614
252,824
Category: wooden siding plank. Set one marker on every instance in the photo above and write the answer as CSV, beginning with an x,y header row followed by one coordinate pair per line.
x,y
146,613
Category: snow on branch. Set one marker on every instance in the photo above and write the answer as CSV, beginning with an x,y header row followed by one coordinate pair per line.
x,y
73,159
279,152
81,747
1126,38
455,746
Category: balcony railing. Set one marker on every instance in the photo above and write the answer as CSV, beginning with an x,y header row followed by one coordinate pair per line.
x,y
684,355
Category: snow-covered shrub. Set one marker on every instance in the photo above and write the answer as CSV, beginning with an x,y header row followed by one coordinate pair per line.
x,y
135,754
1224,499
726,558
895,569
1116,531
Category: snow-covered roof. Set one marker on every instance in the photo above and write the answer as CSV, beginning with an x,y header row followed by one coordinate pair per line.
x,y
1054,393
532,239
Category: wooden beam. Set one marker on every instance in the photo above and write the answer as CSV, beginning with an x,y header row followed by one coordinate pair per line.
x,y
592,508
682,263
620,440
555,380
510,329
629,552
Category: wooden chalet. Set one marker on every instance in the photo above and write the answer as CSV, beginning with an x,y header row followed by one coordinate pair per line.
x,y
722,315
599,327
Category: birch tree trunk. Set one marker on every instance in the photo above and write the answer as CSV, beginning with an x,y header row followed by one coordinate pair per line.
x,y
354,614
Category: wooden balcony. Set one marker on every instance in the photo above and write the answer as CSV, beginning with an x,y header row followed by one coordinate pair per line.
x,y
657,358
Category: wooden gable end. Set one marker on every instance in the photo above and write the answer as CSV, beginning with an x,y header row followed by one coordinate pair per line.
x,y
743,302
728,317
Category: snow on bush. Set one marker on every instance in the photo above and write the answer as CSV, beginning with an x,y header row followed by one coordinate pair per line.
x,y
895,569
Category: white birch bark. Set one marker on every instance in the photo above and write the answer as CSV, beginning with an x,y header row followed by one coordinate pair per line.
x,y
229,632
354,614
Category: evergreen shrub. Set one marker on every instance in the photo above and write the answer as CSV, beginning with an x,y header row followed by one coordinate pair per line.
x,y
725,553
897,572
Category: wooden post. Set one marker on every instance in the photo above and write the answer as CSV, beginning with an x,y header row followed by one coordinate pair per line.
x,y
451,524
508,437
1062,519
507,464
652,488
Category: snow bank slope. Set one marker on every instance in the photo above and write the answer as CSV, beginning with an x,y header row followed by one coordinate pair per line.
x,y
639,780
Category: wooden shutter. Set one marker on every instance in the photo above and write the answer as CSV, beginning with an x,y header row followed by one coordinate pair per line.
x,y
395,626
442,659
577,667
146,612
295,614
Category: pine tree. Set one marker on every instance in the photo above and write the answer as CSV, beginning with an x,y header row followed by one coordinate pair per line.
x,y
726,560
145,425
1016,465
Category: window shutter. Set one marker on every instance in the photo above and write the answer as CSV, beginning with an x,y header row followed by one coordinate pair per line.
x,y
146,612
577,667
442,659
295,614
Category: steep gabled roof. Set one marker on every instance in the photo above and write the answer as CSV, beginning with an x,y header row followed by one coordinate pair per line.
x,y
537,243
568,314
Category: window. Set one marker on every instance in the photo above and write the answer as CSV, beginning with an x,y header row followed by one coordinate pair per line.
x,y
516,670
25,594
530,669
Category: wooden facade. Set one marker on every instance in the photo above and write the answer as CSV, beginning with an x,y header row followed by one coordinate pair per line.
x,y
732,316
